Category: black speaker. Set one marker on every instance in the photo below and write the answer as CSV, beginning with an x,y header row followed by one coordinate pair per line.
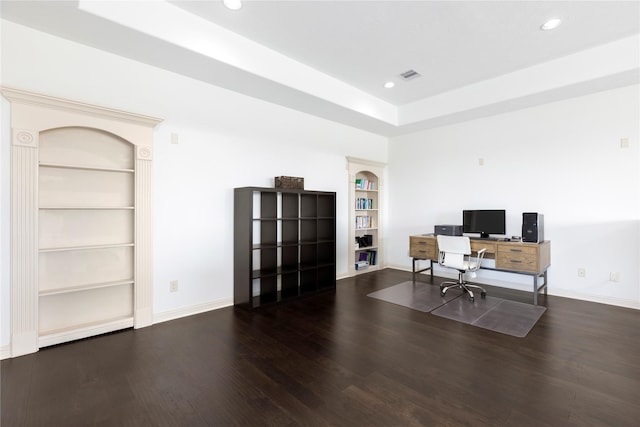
x,y
532,227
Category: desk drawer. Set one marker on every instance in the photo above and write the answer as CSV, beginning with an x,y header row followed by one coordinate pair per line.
x,y
489,246
517,258
422,247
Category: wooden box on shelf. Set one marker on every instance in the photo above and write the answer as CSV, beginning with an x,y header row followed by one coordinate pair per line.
x,y
291,182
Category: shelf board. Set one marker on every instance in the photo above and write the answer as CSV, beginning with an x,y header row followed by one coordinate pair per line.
x,y
87,208
80,248
86,287
308,242
276,297
258,246
368,248
366,191
268,272
57,336
271,298
285,218
365,229
326,264
368,268
366,210
257,274
83,167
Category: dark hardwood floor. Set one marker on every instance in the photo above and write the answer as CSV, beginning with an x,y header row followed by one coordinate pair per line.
x,y
339,359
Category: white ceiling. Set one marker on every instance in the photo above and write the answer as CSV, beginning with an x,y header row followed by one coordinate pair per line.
x,y
451,44
331,58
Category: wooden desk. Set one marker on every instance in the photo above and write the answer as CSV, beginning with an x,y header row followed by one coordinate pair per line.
x,y
532,259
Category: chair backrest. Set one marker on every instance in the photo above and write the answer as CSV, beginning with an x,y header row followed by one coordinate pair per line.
x,y
454,248
454,244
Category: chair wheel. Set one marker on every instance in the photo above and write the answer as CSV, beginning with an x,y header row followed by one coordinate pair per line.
x,y
441,294
471,299
483,294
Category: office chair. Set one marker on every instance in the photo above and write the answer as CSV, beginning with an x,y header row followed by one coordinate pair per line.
x,y
455,252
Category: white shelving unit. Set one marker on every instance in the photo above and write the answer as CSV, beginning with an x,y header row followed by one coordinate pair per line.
x,y
81,235
86,232
365,199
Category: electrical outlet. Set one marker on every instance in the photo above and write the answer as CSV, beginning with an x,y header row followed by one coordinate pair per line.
x,y
582,272
173,286
614,276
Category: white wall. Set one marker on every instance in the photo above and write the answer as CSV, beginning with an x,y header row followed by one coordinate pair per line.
x,y
226,140
562,159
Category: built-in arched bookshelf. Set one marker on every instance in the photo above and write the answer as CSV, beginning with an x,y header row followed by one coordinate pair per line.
x,y
81,242
366,206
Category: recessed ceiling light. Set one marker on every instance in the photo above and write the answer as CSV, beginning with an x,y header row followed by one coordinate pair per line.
x,y
389,85
233,4
551,24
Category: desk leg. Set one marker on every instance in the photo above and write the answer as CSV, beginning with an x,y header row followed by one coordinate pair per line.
x,y
535,290
546,284
414,271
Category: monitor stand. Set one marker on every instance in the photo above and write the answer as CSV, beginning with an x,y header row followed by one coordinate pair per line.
x,y
486,236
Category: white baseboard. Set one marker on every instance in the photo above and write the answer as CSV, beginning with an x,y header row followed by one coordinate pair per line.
x,y
595,298
84,332
5,352
355,273
191,310
398,267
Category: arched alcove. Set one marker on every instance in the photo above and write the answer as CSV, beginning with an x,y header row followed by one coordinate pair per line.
x,y
366,203
81,248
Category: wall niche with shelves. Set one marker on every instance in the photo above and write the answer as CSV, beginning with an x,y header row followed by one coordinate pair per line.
x,y
365,230
81,247
86,232
284,244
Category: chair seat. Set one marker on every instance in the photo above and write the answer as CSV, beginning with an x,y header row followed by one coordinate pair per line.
x,y
466,265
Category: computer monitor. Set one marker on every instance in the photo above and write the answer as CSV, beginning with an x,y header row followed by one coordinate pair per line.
x,y
485,222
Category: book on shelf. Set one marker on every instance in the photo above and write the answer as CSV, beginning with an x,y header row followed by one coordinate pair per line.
x,y
370,257
364,203
363,221
365,184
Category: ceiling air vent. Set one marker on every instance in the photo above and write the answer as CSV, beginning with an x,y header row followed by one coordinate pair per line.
x,y
410,75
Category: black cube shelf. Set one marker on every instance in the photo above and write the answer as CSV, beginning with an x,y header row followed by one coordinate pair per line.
x,y
284,244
